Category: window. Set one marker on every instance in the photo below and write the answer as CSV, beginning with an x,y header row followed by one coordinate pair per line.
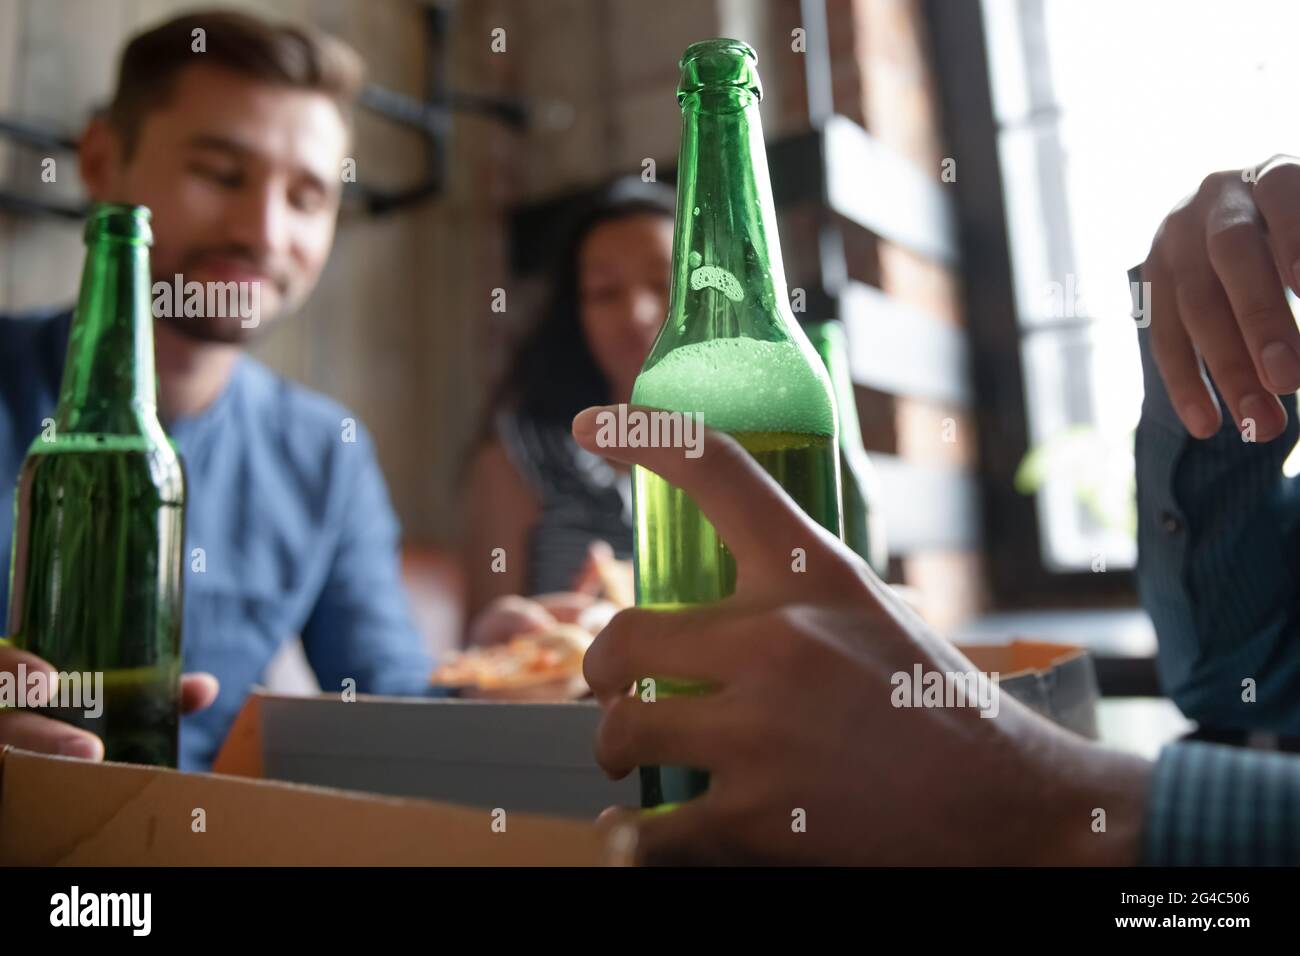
x,y
1103,116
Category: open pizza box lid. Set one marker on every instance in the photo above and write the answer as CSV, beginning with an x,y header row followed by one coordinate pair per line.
x,y
1058,681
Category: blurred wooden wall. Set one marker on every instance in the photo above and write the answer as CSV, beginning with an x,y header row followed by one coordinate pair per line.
x,y
389,329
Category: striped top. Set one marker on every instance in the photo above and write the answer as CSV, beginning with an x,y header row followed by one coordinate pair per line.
x,y
582,497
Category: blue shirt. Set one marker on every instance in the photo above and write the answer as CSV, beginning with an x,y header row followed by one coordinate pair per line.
x,y
1219,565
1219,573
286,500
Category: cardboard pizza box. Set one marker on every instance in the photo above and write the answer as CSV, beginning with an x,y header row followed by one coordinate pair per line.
x,y
62,811
531,757
535,757
1058,681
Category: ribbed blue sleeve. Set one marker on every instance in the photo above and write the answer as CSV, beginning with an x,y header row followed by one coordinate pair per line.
x,y
1212,805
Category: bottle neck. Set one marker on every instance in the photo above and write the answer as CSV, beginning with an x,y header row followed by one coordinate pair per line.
x,y
108,380
831,345
725,237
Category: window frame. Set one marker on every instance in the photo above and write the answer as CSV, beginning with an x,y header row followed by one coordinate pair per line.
x,y
1018,575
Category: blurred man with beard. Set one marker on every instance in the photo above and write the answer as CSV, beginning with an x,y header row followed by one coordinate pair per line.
x,y
235,138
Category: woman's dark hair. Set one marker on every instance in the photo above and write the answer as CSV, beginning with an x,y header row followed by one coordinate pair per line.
x,y
552,374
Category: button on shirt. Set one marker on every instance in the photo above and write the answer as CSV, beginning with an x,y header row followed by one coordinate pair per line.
x,y
288,531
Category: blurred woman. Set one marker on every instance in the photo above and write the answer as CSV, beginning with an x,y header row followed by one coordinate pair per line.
x,y
531,490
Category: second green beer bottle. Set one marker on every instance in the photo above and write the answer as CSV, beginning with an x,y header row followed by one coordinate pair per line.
x,y
731,349
864,525
95,581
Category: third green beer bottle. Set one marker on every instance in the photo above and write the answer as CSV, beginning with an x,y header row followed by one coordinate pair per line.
x,y
730,349
95,581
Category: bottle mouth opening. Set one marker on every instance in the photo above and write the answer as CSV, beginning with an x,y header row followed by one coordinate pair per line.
x,y
119,221
718,45
719,64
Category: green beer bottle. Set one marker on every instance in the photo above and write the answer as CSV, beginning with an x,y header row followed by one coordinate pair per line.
x,y
864,526
95,581
730,349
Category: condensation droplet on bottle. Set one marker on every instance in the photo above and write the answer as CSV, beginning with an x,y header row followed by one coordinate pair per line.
x,y
695,259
